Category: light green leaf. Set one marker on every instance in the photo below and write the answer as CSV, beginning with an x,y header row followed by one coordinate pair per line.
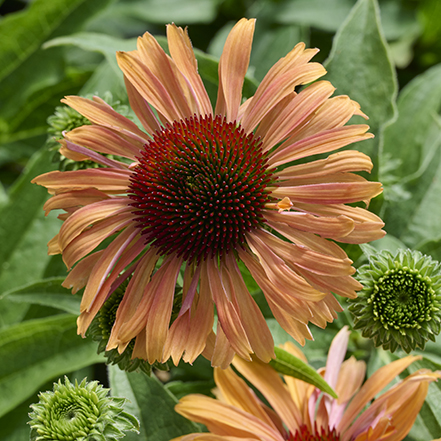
x,y
151,403
359,66
415,139
47,292
36,351
168,11
327,15
287,364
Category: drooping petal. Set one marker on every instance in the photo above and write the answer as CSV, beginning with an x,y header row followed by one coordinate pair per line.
x,y
233,66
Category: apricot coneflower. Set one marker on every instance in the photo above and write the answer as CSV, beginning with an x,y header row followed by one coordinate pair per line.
x,y
299,412
204,188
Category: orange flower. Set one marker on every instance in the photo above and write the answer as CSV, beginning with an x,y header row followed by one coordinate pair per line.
x,y
203,189
299,412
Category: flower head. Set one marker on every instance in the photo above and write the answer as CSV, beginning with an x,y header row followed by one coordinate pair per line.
x,y
80,412
204,188
297,411
400,304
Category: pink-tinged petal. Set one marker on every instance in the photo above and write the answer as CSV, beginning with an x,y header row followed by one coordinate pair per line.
x,y
69,154
329,227
340,162
350,379
85,216
269,383
303,257
223,419
110,181
142,109
253,322
336,355
221,354
280,122
93,156
121,250
134,295
107,141
229,316
88,240
375,383
334,113
325,311
322,142
164,69
280,81
233,66
78,276
139,349
237,393
181,51
76,198
283,277
330,193
99,112
177,338
148,85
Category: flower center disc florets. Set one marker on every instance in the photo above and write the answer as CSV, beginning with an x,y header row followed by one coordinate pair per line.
x,y
304,434
199,187
402,298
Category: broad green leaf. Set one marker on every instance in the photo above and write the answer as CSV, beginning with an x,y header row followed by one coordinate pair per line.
x,y
182,388
359,66
411,159
327,15
29,76
152,404
47,292
287,364
36,351
168,11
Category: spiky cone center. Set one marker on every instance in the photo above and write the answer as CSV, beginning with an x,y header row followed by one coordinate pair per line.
x,y
304,434
199,187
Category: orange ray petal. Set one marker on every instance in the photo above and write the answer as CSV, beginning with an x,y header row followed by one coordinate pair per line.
x,y
233,66
181,50
101,113
222,353
104,140
107,180
275,128
322,142
330,193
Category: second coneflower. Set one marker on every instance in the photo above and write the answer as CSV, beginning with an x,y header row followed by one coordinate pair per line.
x,y
203,188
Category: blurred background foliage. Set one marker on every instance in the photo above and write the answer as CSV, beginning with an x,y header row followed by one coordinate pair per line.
x,y
386,55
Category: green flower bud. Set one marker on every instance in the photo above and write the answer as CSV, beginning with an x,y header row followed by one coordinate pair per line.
x,y
80,412
399,305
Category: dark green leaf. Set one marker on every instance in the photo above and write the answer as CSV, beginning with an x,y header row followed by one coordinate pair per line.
x,y
151,403
287,364
47,292
36,351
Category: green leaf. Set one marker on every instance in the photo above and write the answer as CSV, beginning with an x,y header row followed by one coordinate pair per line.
x,y
152,404
168,11
29,76
415,139
47,292
181,388
287,364
359,66
327,15
36,351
